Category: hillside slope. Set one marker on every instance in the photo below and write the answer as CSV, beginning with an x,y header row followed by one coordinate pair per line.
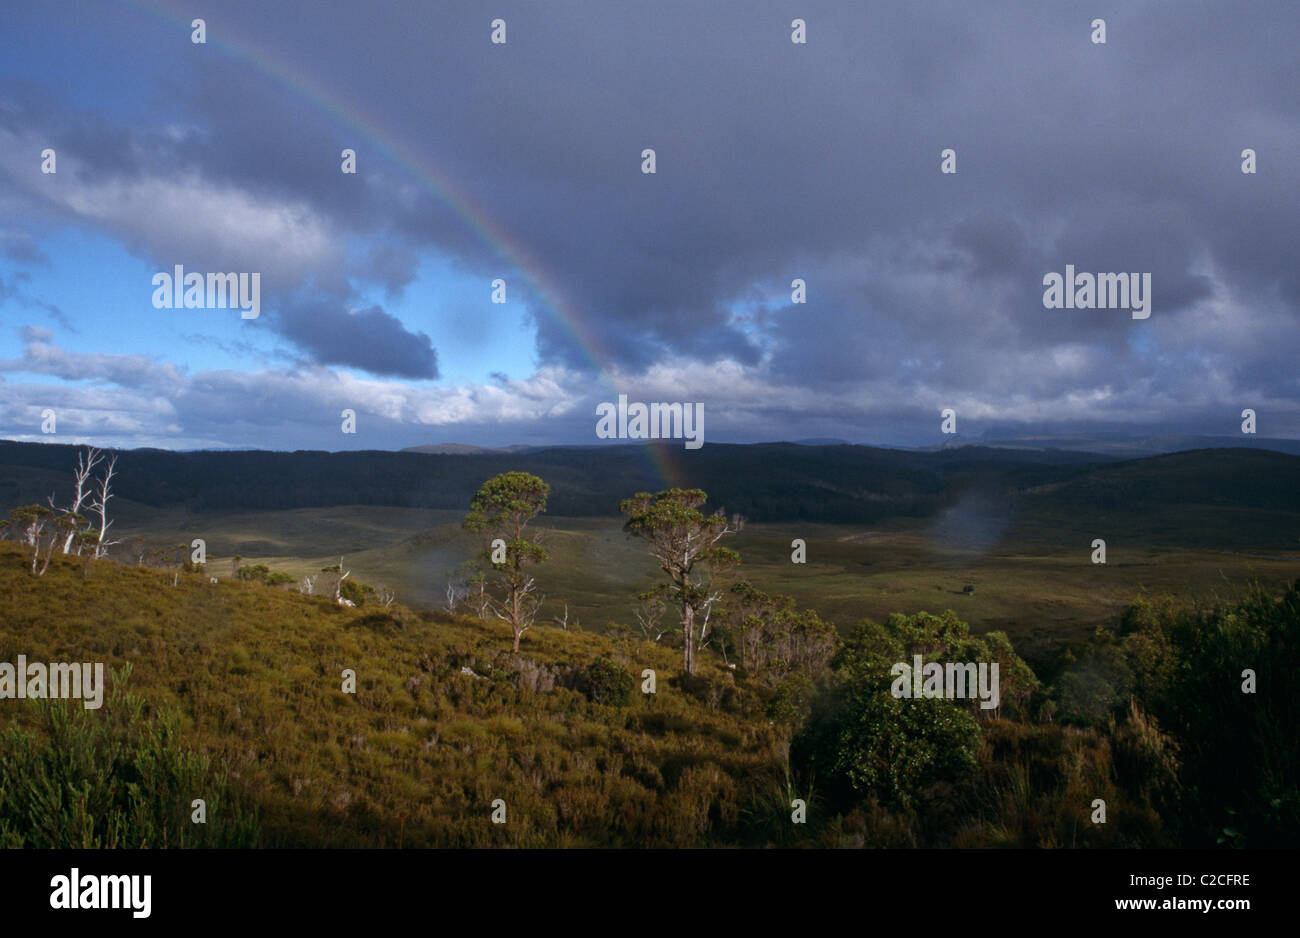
x,y
418,754
240,702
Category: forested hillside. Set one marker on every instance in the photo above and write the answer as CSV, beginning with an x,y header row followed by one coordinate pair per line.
x,y
766,482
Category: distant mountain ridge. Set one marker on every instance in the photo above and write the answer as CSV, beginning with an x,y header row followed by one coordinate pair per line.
x,y
1123,445
465,449
770,482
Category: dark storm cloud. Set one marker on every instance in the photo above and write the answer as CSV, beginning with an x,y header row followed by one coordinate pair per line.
x,y
778,161
367,338
260,134
100,144
170,220
995,243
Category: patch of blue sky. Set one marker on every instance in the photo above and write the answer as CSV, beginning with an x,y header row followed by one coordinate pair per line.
x,y
475,337
106,292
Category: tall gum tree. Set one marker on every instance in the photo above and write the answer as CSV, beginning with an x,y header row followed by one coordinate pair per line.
x,y
685,542
502,508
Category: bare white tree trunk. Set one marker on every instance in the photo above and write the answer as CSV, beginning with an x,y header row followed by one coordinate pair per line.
x,y
100,507
338,585
688,635
86,463
34,537
482,601
707,609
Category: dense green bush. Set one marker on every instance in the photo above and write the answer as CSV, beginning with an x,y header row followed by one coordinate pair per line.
x,y
791,701
1240,760
604,681
255,573
862,741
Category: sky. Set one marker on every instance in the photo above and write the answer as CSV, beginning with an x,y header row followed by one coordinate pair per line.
x,y
522,162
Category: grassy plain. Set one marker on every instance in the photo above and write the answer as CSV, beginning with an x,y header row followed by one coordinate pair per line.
x,y
1029,581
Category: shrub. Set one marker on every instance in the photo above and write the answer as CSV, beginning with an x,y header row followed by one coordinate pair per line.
x,y
872,743
353,591
112,779
792,701
257,573
605,682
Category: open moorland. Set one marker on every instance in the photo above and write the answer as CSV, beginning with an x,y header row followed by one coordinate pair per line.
x,y
304,721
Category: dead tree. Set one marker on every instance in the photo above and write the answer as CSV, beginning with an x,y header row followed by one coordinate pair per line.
x,y
339,575
338,585
455,592
104,492
86,463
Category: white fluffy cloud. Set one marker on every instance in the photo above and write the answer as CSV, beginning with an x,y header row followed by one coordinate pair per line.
x,y
186,216
133,400
126,400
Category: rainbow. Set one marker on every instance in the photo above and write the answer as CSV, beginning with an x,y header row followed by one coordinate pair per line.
x,y
438,183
